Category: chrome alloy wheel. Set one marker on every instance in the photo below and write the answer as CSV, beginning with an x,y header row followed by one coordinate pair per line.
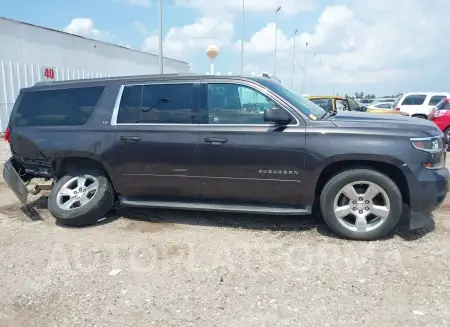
x,y
361,206
77,192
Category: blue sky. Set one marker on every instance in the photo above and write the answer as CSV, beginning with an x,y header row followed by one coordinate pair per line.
x,y
379,47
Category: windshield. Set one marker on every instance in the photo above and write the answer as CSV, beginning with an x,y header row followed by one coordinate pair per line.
x,y
309,108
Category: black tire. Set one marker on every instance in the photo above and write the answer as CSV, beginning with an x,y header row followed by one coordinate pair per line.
x,y
420,116
447,137
335,184
101,202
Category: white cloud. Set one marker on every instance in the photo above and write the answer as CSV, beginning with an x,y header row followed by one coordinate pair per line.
x,y
221,8
180,41
377,43
140,3
85,27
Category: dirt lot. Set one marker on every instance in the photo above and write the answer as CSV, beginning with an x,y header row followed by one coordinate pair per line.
x,y
173,268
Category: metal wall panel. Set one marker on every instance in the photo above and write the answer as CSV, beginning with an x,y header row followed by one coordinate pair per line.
x,y
26,49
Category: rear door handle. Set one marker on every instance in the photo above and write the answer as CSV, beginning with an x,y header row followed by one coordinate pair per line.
x,y
130,138
216,140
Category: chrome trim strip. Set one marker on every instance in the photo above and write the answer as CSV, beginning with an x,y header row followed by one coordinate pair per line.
x,y
218,177
115,112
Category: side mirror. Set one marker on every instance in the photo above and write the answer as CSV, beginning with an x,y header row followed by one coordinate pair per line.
x,y
363,108
277,116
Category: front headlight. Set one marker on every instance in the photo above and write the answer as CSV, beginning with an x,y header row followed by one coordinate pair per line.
x,y
428,144
434,146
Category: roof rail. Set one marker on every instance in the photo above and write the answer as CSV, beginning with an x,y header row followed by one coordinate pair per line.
x,y
96,79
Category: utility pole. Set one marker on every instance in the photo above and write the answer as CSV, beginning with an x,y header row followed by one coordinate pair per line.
x,y
275,50
293,61
242,37
160,21
305,72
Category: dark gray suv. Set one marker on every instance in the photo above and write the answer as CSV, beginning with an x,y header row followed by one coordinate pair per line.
x,y
221,143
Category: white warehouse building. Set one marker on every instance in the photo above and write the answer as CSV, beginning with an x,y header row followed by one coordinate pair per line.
x,y
31,54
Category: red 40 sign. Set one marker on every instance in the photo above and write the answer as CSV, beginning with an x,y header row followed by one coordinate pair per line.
x,y
48,73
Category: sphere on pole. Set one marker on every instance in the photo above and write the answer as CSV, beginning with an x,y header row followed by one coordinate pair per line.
x,y
212,52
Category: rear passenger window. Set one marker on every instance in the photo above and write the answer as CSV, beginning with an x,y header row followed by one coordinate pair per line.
x,y
56,107
435,99
156,104
414,100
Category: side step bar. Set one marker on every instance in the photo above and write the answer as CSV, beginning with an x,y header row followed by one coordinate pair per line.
x,y
238,208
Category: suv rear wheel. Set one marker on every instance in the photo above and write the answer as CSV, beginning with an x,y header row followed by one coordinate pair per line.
x,y
361,204
81,197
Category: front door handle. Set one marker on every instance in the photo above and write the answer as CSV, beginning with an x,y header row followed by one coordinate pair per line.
x,y
216,140
130,138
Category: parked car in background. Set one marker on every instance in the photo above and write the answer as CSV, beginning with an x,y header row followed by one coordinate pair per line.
x,y
365,102
440,115
383,100
337,103
380,105
419,104
180,141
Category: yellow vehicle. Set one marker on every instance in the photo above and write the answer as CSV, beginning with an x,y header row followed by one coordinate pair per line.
x,y
336,103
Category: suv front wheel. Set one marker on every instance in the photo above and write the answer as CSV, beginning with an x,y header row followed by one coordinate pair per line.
x,y
81,197
361,204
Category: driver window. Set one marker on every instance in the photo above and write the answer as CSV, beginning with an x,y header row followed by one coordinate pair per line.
x,y
236,104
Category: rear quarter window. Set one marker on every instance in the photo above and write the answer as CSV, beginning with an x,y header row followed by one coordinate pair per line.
x,y
56,107
435,99
414,100
443,105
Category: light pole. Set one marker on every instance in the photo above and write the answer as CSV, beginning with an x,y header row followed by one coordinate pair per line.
x,y
242,37
316,73
275,52
313,76
305,72
160,21
293,61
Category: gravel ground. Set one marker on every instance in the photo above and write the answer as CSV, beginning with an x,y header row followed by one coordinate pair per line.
x,y
174,268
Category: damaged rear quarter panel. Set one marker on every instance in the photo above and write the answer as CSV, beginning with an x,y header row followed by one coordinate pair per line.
x,y
38,147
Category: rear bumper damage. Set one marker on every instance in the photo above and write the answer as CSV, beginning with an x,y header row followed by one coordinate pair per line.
x,y
17,176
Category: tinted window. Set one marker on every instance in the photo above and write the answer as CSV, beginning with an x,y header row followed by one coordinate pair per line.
x,y
435,99
306,106
326,104
237,104
444,104
414,100
56,107
156,104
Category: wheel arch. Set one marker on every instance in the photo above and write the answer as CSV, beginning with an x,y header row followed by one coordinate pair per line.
x,y
62,165
420,115
389,168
